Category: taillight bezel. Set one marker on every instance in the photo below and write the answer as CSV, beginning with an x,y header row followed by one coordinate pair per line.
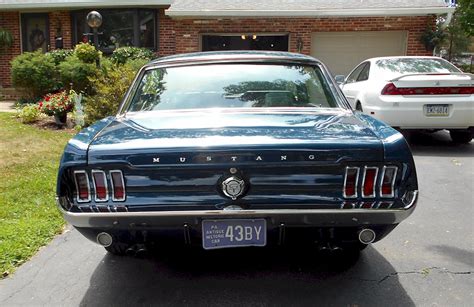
x,y
96,199
78,199
392,184
356,188
374,188
115,199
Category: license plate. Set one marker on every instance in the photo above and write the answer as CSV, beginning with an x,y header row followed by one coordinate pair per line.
x,y
437,110
233,233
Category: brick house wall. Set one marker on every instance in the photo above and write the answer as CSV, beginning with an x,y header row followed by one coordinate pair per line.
x,y
183,35
60,20
9,21
187,31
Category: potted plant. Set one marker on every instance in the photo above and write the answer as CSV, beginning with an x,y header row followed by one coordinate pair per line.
x,y
57,105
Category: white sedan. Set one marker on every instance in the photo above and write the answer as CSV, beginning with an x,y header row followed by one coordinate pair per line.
x,y
425,93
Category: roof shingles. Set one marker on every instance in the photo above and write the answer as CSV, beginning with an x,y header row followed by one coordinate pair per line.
x,y
252,5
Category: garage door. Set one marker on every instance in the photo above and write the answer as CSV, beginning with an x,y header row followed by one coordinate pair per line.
x,y
342,51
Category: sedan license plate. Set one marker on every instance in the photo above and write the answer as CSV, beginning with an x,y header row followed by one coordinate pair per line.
x,y
234,233
437,110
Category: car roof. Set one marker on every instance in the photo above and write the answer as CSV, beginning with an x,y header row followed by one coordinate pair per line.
x,y
402,57
235,56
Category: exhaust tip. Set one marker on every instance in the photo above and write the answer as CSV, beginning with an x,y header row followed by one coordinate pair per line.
x,y
104,239
366,236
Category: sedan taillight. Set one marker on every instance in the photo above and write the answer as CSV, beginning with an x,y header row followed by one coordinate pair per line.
x,y
391,89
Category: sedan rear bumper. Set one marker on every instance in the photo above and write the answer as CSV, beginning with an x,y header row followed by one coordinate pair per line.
x,y
410,113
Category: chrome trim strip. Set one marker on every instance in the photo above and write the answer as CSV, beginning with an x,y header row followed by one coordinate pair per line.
x,y
204,213
77,187
94,171
356,182
375,181
113,187
391,195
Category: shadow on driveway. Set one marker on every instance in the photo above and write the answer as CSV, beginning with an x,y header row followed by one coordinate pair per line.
x,y
250,277
437,144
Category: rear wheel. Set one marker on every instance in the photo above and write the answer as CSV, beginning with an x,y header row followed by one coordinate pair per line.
x,y
460,136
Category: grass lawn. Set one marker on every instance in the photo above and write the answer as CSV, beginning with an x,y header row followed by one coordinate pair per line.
x,y
29,159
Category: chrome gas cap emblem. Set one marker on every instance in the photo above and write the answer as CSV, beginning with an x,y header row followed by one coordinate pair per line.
x,y
233,187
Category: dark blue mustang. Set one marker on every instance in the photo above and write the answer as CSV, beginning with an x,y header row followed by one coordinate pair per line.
x,y
236,149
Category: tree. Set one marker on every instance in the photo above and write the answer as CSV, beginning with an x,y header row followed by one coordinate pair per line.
x,y
460,29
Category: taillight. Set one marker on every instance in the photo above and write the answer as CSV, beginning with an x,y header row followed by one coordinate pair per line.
x,y
391,89
368,181
100,185
389,174
118,185
82,186
350,182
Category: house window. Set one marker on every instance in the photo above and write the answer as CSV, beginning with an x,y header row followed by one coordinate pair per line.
x,y
251,41
35,32
131,27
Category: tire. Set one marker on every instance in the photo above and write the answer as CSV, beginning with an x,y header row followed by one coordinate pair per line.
x,y
117,248
460,136
359,107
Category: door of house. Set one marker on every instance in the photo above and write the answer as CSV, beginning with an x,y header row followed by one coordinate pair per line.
x,y
35,32
218,42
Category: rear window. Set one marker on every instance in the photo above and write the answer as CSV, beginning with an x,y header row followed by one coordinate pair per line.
x,y
396,67
232,86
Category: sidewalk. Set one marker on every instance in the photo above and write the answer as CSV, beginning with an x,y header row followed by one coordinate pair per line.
x,y
7,106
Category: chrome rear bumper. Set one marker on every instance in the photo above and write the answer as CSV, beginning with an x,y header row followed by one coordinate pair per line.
x,y
290,217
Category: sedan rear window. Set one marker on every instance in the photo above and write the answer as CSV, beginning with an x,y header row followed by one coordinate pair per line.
x,y
401,66
232,86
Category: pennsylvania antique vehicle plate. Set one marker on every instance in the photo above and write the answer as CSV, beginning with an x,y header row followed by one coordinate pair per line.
x,y
437,110
234,233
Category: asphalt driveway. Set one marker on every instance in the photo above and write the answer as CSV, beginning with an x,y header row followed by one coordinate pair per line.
x,y
427,260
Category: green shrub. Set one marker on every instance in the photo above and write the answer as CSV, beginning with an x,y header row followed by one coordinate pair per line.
x,y
87,53
29,113
124,54
109,87
75,74
34,73
59,55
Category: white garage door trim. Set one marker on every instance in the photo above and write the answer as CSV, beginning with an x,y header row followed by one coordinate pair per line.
x,y
342,51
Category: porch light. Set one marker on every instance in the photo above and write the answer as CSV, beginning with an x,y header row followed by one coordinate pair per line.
x,y
254,37
243,37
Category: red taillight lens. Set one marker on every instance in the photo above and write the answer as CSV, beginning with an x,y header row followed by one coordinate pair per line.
x,y
391,89
350,182
82,186
368,183
118,186
389,173
100,184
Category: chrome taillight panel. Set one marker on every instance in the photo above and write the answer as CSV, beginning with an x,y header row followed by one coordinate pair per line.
x,y
79,189
100,182
370,182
